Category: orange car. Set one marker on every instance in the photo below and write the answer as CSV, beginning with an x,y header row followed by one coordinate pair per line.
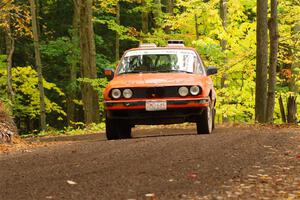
x,y
159,85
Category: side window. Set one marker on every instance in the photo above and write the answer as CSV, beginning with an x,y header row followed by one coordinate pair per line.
x,y
201,67
198,66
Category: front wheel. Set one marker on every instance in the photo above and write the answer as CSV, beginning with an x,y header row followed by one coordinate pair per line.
x,y
117,129
205,122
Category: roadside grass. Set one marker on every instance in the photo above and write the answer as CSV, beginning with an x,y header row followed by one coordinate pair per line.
x,y
78,129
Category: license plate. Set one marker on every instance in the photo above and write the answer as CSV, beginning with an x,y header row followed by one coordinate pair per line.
x,y
156,105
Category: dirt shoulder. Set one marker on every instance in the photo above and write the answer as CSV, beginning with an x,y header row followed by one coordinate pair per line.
x,y
19,145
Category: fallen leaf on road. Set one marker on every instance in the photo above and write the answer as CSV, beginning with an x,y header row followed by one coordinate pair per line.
x,y
192,175
264,178
26,151
71,182
252,176
266,146
150,196
256,166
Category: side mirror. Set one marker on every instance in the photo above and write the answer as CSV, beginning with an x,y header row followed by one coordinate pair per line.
x,y
211,71
109,74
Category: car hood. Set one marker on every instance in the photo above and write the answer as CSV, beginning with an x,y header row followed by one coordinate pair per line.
x,y
156,80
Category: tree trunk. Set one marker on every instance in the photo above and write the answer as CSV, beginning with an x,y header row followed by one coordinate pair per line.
x,y
292,110
2,41
261,61
10,48
157,13
170,7
145,17
296,59
282,111
73,67
293,86
274,37
223,15
38,63
117,34
88,63
170,11
196,27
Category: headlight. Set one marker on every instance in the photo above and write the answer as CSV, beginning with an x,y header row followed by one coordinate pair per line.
x,y
194,90
116,93
127,93
183,91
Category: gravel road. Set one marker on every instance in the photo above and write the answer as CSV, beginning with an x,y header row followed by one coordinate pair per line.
x,y
168,163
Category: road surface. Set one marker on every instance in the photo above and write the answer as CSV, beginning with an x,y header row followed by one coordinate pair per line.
x,y
165,163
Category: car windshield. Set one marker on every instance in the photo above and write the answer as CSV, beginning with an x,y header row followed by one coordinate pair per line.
x,y
158,61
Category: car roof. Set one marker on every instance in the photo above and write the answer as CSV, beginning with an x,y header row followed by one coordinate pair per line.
x,y
160,48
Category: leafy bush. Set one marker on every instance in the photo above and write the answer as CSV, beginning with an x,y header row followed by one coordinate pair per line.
x,y
26,102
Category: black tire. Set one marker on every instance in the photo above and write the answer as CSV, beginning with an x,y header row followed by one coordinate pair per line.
x,y
117,129
110,127
205,123
125,130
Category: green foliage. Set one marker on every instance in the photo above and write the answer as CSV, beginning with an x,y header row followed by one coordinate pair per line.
x,y
124,32
59,55
60,51
91,128
99,85
101,60
26,100
236,97
237,63
3,61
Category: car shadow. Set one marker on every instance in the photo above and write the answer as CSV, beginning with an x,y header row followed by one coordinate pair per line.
x,y
163,135
155,133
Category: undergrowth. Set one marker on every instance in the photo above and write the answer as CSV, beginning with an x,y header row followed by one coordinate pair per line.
x,y
79,129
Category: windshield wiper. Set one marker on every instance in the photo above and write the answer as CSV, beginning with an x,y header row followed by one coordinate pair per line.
x,y
174,70
133,72
158,71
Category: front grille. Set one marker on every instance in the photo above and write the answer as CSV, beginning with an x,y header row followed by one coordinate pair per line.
x,y
155,92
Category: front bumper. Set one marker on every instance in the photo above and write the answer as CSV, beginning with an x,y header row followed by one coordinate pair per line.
x,y
141,104
178,111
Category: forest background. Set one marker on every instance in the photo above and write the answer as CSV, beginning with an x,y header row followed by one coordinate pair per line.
x,y
53,52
